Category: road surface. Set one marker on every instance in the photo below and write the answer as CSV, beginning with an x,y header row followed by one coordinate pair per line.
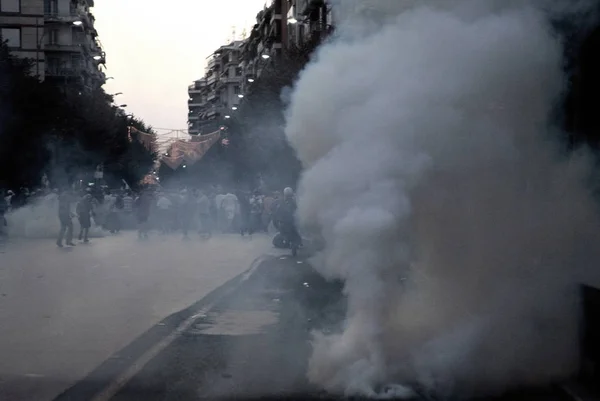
x,y
65,311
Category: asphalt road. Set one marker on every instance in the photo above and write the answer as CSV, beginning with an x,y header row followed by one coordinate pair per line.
x,y
249,338
65,311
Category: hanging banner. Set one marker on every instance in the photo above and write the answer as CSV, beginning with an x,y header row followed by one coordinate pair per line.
x,y
189,152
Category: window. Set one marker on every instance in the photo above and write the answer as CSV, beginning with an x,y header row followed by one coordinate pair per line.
x,y
10,6
78,37
236,90
12,36
76,62
50,7
53,37
238,71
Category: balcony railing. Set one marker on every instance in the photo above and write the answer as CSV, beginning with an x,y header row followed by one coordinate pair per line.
x,y
62,72
62,48
58,17
212,79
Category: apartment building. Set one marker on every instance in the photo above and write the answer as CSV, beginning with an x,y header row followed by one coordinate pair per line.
x,y
60,37
308,21
233,68
267,42
213,97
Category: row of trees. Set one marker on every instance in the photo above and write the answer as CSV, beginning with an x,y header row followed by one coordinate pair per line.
x,y
62,132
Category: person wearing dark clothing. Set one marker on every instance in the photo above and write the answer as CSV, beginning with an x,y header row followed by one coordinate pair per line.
x,y
286,211
64,216
114,214
85,212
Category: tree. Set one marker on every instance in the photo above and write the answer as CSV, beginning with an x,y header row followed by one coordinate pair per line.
x,y
259,150
63,132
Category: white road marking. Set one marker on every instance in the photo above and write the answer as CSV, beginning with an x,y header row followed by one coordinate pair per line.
x,y
113,388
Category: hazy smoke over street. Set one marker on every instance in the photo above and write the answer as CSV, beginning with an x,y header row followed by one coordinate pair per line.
x,y
460,230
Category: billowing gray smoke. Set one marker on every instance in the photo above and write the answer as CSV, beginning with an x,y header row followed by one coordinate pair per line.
x,y
429,170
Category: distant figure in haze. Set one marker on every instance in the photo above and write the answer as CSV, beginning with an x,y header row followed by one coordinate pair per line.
x,y
204,219
143,204
229,210
256,211
187,211
3,211
244,219
163,206
128,209
85,211
65,217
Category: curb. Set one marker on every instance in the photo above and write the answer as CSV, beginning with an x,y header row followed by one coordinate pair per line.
x,y
111,371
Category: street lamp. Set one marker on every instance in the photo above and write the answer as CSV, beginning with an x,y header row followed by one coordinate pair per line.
x,y
234,108
292,20
240,96
77,23
97,57
266,56
250,80
227,117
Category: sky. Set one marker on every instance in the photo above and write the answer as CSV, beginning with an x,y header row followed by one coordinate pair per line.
x,y
154,50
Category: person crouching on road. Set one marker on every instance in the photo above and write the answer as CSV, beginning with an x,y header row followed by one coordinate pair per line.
x,y
85,212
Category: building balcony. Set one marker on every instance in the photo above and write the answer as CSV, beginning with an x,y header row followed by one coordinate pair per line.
x,y
193,118
55,47
62,18
212,79
275,17
231,80
212,96
63,72
192,90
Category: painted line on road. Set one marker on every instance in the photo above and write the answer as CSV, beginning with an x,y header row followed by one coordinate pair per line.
x,y
115,386
253,266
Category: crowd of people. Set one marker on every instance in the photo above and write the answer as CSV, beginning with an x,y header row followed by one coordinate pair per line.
x,y
186,210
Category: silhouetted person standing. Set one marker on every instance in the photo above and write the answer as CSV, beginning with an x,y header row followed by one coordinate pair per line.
x,y
85,211
65,215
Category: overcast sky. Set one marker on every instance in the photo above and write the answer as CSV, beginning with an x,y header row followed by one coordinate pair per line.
x,y
154,50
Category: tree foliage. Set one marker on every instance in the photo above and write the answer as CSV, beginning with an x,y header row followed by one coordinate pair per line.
x,y
62,132
259,149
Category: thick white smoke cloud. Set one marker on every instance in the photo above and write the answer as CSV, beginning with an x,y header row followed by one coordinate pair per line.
x,y
431,174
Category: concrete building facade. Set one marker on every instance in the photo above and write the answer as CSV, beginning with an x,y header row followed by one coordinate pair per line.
x,y
59,36
212,98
